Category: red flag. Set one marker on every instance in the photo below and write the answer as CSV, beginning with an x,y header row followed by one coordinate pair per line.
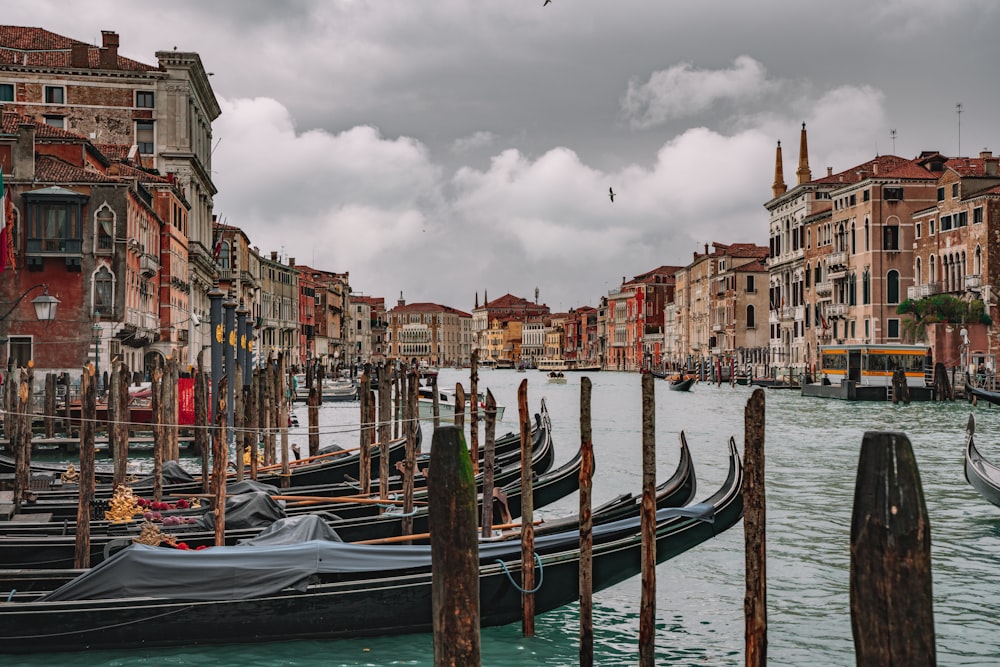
x,y
6,228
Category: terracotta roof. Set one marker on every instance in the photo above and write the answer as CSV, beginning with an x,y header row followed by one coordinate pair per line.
x,y
886,165
49,169
37,47
114,151
751,267
12,121
428,307
129,171
968,166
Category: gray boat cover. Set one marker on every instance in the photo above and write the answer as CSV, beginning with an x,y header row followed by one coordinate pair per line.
x,y
246,510
172,473
250,485
246,571
294,530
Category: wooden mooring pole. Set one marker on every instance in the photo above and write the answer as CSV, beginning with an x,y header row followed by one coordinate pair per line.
x,y
410,462
586,528
454,551
21,432
220,457
489,459
647,603
157,408
474,412
202,436
313,407
754,533
50,405
527,516
118,431
88,424
892,609
365,441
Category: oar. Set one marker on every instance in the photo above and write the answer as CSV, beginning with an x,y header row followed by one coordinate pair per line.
x,y
310,459
299,501
424,536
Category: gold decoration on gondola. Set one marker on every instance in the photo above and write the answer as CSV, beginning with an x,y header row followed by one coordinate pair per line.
x,y
123,506
71,476
150,534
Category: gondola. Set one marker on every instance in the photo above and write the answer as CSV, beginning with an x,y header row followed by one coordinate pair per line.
x,y
983,475
974,392
682,384
363,596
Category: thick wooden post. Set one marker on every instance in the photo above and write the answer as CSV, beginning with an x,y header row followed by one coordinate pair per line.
x,y
50,405
435,403
253,419
397,376
202,437
586,528
454,551
365,443
118,430
21,432
282,397
267,398
647,604
460,406
754,533
312,403
527,516
156,406
489,459
474,412
88,424
385,424
220,458
171,411
892,610
239,421
410,463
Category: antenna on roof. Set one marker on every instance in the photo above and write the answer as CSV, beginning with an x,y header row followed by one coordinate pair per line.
x,y
892,135
958,110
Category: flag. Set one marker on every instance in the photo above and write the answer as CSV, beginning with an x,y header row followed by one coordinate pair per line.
x,y
6,228
217,250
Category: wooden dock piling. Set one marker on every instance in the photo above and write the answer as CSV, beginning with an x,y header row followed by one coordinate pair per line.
x,y
220,458
754,515
410,462
201,420
892,609
88,424
474,412
50,405
647,603
366,438
312,401
118,431
527,516
454,552
586,528
20,418
489,458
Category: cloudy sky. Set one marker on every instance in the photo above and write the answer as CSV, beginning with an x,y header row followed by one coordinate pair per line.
x,y
443,148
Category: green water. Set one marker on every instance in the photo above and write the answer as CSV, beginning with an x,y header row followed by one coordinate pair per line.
x,y
811,457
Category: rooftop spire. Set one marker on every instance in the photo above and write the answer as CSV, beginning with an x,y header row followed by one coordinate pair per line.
x,y
778,188
803,171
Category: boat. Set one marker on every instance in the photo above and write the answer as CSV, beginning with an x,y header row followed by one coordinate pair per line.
x,y
323,590
981,474
556,377
977,393
332,389
446,405
682,383
552,364
864,372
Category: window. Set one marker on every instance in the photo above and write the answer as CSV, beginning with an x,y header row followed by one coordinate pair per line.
x,y
962,219
55,95
224,255
945,223
144,99
892,289
977,215
751,287
893,325
105,231
53,227
866,287
6,92
892,194
20,350
890,235
56,121
866,195
917,227
954,190
144,136
940,194
930,227
104,291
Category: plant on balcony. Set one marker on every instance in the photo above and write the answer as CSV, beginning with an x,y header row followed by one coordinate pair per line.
x,y
940,308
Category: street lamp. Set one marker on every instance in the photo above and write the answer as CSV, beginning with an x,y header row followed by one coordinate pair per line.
x,y
45,305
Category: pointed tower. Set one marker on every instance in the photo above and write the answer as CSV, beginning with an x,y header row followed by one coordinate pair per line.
x,y
778,188
486,298
476,307
803,171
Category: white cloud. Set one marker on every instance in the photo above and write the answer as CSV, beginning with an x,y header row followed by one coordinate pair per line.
x,y
474,141
682,91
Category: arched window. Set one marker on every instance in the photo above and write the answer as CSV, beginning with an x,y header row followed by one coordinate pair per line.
x,y
224,256
104,230
867,246
892,287
916,273
104,292
932,273
751,322
854,247
977,267
866,287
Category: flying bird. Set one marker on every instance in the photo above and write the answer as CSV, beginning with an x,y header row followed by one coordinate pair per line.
x,y
546,2
611,193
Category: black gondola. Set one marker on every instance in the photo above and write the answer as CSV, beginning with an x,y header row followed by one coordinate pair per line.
x,y
346,604
985,394
983,475
682,384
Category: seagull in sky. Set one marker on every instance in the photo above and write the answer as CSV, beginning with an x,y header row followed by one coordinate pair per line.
x,y
546,2
611,193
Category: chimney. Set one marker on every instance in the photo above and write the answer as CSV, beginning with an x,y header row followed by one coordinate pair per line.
x,y
274,255
401,302
79,55
706,248
291,261
23,158
109,49
874,168
989,163
829,171
778,188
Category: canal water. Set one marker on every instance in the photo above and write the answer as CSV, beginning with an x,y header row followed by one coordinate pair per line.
x,y
812,447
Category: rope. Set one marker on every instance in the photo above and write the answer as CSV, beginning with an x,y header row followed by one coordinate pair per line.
x,y
107,627
541,575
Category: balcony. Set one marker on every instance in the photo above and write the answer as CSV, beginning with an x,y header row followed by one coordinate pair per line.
x,y
837,259
921,291
836,274
717,328
787,313
973,281
823,288
800,313
149,265
837,310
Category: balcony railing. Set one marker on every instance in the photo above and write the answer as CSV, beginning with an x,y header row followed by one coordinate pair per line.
x,y
837,309
973,281
921,291
787,313
716,328
149,265
837,273
836,259
823,288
